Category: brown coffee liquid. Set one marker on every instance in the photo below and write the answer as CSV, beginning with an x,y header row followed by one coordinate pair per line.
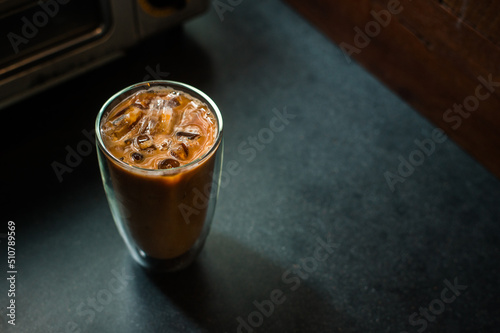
x,y
161,128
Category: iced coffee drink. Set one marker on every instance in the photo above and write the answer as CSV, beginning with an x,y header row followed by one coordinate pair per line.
x,y
160,160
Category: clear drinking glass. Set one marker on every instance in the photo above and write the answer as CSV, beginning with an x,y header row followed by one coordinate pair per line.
x,y
164,216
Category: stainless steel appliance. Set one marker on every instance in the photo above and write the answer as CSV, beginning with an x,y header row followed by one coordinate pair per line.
x,y
47,41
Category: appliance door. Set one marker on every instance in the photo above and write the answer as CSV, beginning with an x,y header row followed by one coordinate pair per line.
x,y
36,30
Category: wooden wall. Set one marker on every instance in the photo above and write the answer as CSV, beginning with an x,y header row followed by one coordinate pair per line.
x,y
436,54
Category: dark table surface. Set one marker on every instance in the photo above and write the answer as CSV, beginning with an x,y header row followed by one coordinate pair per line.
x,y
309,221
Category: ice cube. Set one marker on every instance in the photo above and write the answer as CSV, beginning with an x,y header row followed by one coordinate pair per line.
x,y
144,141
164,121
157,119
180,151
188,135
157,103
174,102
142,101
168,163
137,157
165,145
124,123
188,131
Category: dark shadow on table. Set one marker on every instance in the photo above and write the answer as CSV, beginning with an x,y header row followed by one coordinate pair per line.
x,y
220,289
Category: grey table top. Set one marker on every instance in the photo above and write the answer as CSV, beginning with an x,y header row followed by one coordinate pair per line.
x,y
352,215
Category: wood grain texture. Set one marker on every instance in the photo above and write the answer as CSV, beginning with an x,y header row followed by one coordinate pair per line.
x,y
483,16
432,53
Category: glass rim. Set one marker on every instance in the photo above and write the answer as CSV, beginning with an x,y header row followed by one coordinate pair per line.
x,y
165,83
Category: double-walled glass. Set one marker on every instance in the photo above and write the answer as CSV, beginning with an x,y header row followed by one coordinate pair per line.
x,y
163,216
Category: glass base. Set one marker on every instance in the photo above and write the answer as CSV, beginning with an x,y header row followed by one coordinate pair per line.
x,y
167,265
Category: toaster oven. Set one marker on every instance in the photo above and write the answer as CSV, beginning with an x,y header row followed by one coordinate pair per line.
x,y
47,41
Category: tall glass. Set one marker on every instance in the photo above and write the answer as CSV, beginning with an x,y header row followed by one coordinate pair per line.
x,y
164,216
